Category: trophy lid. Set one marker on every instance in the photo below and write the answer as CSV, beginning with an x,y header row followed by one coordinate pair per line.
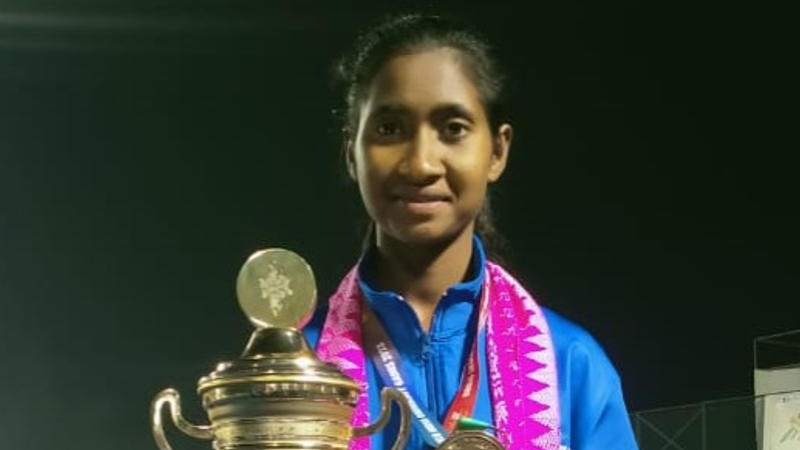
x,y
278,356
277,292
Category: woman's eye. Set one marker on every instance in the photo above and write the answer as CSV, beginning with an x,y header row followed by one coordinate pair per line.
x,y
387,129
454,130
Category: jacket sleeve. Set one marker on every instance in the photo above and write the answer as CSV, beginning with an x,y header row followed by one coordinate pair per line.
x,y
612,429
593,412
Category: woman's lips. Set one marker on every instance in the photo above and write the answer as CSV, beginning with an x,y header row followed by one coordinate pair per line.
x,y
421,206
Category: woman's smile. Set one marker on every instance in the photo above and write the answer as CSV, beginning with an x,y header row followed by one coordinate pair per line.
x,y
421,202
421,207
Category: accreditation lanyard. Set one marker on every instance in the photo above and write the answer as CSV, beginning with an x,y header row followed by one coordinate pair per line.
x,y
390,367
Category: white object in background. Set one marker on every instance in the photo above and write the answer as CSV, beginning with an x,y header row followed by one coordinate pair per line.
x,y
782,421
772,381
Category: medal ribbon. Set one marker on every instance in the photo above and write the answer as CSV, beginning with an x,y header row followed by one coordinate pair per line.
x,y
390,367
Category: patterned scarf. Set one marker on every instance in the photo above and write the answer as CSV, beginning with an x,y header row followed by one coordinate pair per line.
x,y
519,351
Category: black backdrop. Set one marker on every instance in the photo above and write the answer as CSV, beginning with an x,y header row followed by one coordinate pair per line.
x,y
146,148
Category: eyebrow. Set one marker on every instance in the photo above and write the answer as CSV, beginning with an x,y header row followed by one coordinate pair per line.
x,y
440,111
452,110
389,109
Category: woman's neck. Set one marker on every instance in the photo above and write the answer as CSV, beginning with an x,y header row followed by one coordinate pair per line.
x,y
422,273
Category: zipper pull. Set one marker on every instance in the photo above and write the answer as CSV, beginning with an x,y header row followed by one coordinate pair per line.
x,y
426,346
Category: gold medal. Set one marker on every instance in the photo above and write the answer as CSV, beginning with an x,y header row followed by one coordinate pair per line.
x,y
276,288
471,440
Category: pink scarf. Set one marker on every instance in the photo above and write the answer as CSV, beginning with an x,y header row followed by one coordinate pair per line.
x,y
519,350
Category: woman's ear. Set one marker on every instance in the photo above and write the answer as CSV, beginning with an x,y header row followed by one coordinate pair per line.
x,y
349,160
501,145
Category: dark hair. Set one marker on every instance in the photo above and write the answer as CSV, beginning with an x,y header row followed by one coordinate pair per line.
x,y
412,33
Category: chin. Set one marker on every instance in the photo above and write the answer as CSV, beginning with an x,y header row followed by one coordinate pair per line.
x,y
424,233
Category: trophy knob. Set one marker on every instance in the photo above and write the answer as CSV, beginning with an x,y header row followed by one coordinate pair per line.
x,y
276,288
171,398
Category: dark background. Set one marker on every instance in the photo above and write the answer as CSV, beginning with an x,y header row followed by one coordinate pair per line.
x,y
146,149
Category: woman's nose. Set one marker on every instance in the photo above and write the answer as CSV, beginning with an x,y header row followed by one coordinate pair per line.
x,y
423,159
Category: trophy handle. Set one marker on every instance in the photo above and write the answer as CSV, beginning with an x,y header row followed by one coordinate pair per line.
x,y
387,395
173,399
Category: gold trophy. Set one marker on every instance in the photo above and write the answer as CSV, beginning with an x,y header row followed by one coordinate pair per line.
x,y
278,394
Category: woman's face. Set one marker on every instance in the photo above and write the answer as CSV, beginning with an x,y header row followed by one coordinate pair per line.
x,y
423,153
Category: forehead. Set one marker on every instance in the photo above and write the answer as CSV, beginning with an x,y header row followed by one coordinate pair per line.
x,y
422,81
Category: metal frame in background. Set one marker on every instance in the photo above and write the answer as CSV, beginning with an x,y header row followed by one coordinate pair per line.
x,y
788,341
672,435
669,436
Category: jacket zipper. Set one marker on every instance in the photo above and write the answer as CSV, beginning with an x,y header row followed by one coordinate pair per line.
x,y
430,376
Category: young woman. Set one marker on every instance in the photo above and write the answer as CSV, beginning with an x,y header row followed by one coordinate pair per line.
x,y
424,308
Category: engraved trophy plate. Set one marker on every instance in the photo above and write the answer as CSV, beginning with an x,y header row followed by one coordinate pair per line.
x,y
276,288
